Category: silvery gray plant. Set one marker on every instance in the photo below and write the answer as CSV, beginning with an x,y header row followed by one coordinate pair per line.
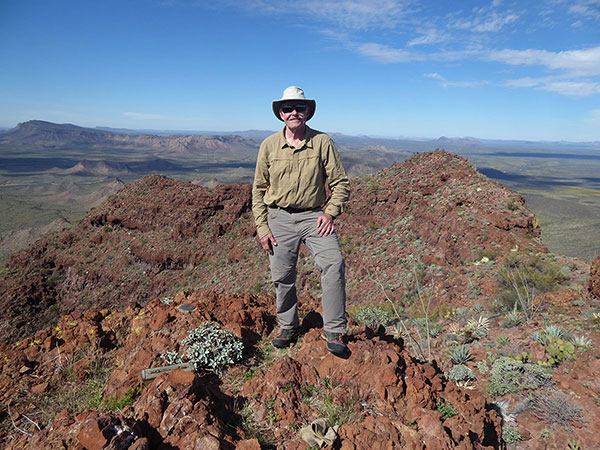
x,y
211,347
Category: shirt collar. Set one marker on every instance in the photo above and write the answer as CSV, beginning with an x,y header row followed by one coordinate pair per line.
x,y
307,142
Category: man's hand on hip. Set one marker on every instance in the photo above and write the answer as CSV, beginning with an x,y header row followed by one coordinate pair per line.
x,y
325,225
268,242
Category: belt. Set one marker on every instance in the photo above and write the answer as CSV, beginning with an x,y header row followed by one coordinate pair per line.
x,y
292,210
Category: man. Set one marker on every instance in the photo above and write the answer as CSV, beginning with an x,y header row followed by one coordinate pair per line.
x,y
293,169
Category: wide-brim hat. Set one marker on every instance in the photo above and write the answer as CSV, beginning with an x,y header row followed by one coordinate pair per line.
x,y
294,93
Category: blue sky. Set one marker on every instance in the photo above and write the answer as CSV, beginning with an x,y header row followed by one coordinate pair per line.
x,y
495,69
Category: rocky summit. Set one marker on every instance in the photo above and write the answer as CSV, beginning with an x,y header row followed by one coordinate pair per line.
x,y
464,331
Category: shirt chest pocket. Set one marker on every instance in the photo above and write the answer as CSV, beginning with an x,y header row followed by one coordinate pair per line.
x,y
280,172
310,171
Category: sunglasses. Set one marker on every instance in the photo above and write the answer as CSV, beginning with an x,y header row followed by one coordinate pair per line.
x,y
300,107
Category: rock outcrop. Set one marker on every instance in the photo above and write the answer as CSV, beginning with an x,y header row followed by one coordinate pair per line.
x,y
432,215
382,391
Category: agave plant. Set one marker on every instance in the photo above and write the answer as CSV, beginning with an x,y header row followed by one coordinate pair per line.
x,y
554,331
481,324
460,354
582,342
477,328
539,336
455,328
512,319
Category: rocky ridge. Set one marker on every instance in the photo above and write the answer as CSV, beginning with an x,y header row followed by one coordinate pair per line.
x,y
429,229
433,214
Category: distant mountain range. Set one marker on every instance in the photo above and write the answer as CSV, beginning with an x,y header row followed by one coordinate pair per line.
x,y
180,143
46,135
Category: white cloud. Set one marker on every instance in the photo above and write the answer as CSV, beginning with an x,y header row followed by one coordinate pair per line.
x,y
463,84
573,88
359,14
385,54
461,33
431,37
523,82
584,62
350,14
435,75
586,8
559,84
483,23
135,115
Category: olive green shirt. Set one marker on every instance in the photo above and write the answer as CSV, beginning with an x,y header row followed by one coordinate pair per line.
x,y
291,177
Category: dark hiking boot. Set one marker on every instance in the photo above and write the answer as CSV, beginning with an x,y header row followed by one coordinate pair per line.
x,y
286,337
336,344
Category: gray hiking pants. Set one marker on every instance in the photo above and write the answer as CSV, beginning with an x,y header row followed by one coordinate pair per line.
x,y
289,229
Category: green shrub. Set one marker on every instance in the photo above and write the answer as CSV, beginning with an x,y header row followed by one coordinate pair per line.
x,y
446,409
483,366
373,316
488,253
582,342
511,204
554,331
508,375
510,434
460,373
171,357
502,340
115,403
435,329
523,277
559,350
539,336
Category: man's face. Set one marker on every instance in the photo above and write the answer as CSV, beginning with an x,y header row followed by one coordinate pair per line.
x,y
294,114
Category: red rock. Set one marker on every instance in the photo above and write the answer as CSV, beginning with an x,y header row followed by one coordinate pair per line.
x,y
15,415
248,444
83,416
49,343
64,418
593,283
39,388
91,437
32,352
80,365
140,444
181,376
160,318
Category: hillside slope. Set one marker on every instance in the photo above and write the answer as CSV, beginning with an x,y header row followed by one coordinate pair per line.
x,y
433,214
436,330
